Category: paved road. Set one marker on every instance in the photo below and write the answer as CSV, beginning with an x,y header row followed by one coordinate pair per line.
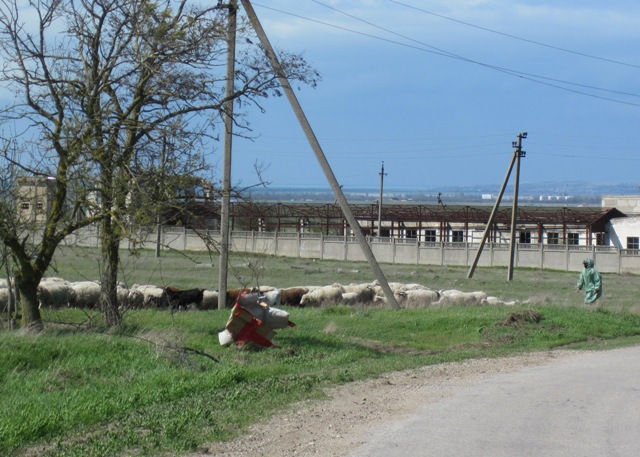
x,y
586,406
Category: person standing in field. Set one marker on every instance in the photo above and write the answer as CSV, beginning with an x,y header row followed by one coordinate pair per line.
x,y
591,281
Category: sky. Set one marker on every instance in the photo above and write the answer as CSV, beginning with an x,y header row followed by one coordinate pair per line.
x,y
439,90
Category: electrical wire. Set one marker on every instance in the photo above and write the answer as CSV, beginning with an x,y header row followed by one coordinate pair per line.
x,y
542,80
538,43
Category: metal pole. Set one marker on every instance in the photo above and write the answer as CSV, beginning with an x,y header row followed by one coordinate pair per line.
x,y
226,174
315,145
382,175
512,246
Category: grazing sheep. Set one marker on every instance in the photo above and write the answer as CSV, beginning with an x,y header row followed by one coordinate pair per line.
x,y
292,296
209,300
180,299
497,301
153,296
364,294
457,297
394,286
84,294
349,298
53,293
417,298
134,298
122,294
324,296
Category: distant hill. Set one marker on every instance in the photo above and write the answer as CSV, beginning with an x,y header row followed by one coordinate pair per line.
x,y
567,193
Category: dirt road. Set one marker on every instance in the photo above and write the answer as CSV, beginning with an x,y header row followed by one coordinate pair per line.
x,y
549,403
586,406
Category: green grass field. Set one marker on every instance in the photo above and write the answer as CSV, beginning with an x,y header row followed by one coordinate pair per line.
x,y
162,384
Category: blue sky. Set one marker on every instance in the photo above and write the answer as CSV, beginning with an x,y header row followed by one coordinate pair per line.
x,y
439,90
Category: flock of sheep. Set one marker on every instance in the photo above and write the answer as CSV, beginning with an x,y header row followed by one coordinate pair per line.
x,y
56,293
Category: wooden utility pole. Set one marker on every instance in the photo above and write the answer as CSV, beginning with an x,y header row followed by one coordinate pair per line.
x,y
514,159
518,153
226,174
382,175
315,145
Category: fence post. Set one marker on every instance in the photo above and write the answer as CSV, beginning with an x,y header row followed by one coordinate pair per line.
x,y
393,250
275,243
253,241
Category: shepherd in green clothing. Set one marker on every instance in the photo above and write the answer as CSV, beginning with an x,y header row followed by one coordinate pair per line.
x,y
591,281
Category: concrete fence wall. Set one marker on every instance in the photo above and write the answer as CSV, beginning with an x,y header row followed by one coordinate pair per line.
x,y
608,259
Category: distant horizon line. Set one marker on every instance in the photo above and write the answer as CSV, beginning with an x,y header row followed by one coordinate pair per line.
x,y
456,188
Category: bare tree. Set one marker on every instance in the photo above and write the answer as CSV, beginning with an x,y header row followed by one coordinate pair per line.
x,y
99,82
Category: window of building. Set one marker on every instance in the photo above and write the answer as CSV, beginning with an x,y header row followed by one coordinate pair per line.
x,y
457,236
573,238
633,242
39,206
601,239
525,237
25,206
430,236
411,233
553,238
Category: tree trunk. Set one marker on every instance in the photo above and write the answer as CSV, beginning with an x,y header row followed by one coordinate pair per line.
x,y
109,280
27,287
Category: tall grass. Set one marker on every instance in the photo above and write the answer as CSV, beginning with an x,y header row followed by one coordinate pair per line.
x,y
162,384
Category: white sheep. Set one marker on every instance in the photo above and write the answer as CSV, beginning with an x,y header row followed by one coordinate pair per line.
x,y
497,301
324,296
153,296
394,286
128,298
350,298
364,294
84,294
53,293
417,298
457,297
209,299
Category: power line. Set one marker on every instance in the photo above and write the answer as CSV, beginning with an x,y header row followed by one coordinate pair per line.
x,y
538,43
546,81
515,73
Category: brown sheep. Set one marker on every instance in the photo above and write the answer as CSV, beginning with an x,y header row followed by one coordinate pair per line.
x,y
292,296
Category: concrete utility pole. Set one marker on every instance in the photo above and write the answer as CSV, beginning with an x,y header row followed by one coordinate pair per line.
x,y
382,175
487,229
228,137
315,145
518,153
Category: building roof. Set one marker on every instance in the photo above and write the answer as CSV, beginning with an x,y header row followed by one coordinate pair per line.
x,y
331,214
